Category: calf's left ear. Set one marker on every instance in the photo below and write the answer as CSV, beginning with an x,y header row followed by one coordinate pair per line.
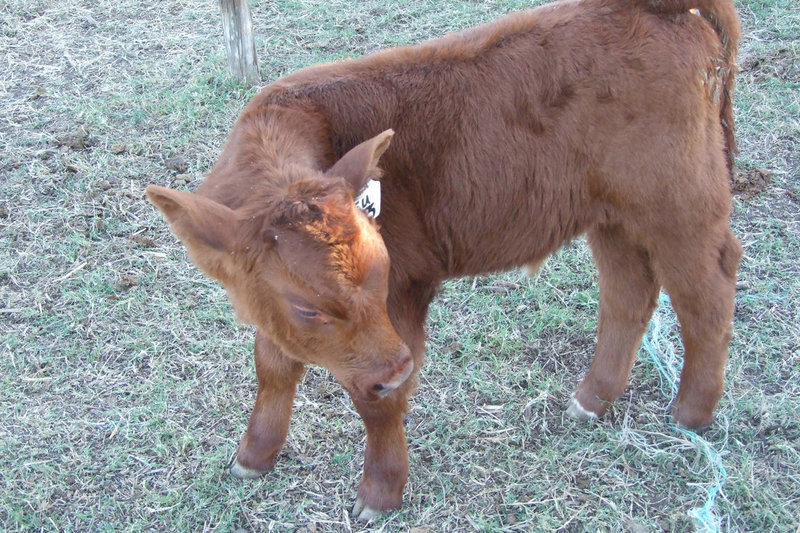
x,y
360,164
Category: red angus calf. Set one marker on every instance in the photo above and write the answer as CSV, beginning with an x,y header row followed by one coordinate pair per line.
x,y
494,147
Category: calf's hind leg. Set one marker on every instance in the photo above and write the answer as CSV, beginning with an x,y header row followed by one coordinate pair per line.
x,y
278,377
628,296
699,274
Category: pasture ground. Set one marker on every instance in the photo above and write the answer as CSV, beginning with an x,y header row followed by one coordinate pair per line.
x,y
125,381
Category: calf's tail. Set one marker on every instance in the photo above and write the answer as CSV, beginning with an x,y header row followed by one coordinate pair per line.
x,y
721,14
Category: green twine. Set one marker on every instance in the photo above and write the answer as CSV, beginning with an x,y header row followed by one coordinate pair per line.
x,y
660,350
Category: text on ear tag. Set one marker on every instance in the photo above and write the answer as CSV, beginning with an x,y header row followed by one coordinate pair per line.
x,y
369,200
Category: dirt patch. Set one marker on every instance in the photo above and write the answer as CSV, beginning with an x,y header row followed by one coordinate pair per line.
x,y
142,241
177,164
77,140
779,63
748,183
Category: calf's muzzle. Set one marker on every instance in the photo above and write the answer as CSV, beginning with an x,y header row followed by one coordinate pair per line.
x,y
380,384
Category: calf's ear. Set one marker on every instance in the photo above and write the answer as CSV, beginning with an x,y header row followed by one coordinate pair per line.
x,y
205,227
360,164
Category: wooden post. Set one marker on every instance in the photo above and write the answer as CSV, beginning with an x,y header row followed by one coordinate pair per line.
x,y
237,27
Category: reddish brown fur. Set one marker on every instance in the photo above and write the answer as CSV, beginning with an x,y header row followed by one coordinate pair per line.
x,y
605,117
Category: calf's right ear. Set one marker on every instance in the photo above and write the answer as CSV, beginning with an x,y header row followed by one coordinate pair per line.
x,y
205,227
360,164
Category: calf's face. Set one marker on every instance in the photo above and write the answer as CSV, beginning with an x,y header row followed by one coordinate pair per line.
x,y
306,267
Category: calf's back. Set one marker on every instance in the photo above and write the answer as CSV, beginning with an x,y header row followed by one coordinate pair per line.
x,y
516,136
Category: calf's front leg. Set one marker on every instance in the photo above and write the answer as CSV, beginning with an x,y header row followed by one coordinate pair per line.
x,y
386,456
278,377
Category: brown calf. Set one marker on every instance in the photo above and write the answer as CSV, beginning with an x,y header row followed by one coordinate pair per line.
x,y
494,147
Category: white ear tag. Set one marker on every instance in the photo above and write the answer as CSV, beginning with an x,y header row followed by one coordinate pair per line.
x,y
369,200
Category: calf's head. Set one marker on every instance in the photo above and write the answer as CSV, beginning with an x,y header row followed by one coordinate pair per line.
x,y
302,263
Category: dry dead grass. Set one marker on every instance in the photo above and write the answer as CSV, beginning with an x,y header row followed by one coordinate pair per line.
x,y
126,382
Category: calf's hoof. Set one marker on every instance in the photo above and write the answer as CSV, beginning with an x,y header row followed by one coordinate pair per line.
x,y
363,513
243,472
576,410
689,419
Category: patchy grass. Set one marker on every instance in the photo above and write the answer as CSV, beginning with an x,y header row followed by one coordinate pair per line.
x,y
125,381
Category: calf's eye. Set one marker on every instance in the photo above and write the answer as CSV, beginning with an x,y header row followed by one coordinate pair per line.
x,y
305,313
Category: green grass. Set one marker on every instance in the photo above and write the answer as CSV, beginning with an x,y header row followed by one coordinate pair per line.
x,y
125,381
